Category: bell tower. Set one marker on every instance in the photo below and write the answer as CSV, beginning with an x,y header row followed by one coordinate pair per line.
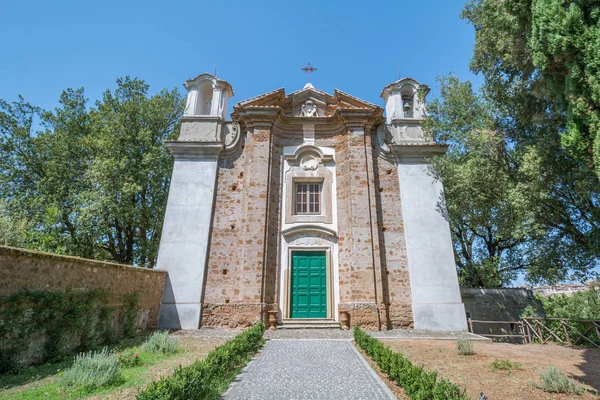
x,y
436,300
187,224
405,109
207,96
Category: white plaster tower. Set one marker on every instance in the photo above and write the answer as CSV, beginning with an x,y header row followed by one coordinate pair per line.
x,y
437,304
187,224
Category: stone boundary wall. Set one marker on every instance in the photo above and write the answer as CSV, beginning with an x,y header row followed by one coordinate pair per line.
x,y
497,305
22,269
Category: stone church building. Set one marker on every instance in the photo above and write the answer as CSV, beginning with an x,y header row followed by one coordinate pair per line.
x,y
309,208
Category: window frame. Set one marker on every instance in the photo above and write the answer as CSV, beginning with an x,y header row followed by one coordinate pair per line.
x,y
316,203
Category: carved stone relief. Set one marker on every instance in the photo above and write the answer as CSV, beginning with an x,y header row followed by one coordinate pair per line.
x,y
309,163
309,109
232,135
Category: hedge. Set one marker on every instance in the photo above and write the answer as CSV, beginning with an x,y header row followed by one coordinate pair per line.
x,y
207,379
418,383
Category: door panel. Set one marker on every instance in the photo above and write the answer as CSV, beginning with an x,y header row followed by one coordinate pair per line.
x,y
309,285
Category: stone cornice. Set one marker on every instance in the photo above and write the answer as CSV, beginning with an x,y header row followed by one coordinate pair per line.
x,y
208,118
397,83
257,116
406,121
206,76
365,118
17,252
194,150
416,152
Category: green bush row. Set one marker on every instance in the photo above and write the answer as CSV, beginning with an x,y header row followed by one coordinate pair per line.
x,y
207,379
418,383
71,320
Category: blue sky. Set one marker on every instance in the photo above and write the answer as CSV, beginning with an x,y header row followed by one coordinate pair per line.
x,y
259,46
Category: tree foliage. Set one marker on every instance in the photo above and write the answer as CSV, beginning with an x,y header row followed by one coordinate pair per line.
x,y
579,305
491,222
515,205
89,181
521,170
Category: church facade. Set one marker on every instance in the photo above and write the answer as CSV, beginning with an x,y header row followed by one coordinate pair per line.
x,y
306,207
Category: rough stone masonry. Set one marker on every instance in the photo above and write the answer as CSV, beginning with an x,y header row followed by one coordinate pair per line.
x,y
306,207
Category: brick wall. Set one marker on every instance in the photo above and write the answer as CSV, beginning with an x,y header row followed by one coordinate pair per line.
x,y
392,245
373,275
234,282
24,269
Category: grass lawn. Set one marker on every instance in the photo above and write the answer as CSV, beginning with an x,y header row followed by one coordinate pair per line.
x,y
39,382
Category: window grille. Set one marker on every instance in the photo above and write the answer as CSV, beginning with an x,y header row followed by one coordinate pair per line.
x,y
308,198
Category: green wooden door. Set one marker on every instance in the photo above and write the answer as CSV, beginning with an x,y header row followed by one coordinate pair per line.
x,y
309,284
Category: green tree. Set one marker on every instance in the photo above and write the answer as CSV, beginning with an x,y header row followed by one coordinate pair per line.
x,y
539,61
131,168
541,58
565,48
510,210
13,230
90,182
491,222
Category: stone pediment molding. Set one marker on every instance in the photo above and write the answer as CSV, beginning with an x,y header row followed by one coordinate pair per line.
x,y
309,105
271,98
309,229
308,157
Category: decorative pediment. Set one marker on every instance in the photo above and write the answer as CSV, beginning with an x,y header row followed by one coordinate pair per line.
x,y
307,102
308,157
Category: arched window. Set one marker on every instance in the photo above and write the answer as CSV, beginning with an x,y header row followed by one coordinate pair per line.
x,y
205,94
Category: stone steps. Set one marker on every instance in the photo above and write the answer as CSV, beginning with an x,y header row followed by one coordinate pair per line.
x,y
306,323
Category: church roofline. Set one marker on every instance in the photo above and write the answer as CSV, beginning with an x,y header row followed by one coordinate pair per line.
x,y
338,92
260,96
308,89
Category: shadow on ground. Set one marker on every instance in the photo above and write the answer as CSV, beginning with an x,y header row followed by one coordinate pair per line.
x,y
590,368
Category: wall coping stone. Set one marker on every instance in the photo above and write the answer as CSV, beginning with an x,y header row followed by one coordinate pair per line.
x,y
4,250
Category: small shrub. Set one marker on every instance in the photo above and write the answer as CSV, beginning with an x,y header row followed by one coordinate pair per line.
x,y
160,343
207,379
464,347
128,358
556,381
418,383
505,365
92,370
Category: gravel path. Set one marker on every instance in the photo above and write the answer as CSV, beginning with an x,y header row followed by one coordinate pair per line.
x,y
308,369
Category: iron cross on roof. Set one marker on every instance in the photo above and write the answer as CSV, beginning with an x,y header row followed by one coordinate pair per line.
x,y
309,69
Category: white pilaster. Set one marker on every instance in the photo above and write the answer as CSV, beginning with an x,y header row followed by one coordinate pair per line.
x,y
186,232
437,304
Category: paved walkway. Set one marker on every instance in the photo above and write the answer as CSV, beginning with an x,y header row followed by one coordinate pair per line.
x,y
308,369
